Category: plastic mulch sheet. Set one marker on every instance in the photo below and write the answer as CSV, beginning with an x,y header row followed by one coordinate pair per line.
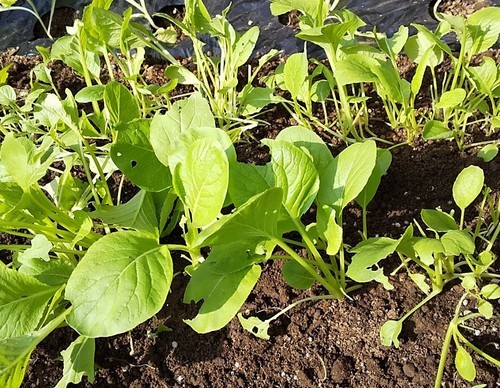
x,y
16,27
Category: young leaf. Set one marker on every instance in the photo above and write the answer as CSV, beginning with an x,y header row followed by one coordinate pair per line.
x,y
7,95
223,281
483,29
23,161
40,248
122,280
451,98
255,326
193,112
329,229
139,213
205,178
120,103
23,301
244,46
426,248
384,159
295,173
420,280
90,94
347,175
435,129
247,180
78,361
295,73
296,276
463,363
389,333
468,186
488,152
457,242
438,221
491,291
305,138
485,309
133,154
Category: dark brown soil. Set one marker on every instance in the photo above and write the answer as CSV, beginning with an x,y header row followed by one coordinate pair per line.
x,y
321,344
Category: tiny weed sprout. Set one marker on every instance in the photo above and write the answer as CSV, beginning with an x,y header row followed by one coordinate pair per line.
x,y
453,253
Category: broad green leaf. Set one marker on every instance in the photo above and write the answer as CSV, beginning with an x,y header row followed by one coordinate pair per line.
x,y
491,291
368,254
7,95
438,221
182,75
40,248
295,173
244,46
434,130
15,353
389,333
254,99
23,161
384,159
355,68
224,282
320,90
295,73
306,139
139,213
427,248
484,76
393,46
329,229
247,180
205,178
451,98
488,152
422,50
133,154
296,276
55,272
485,309
78,361
120,103
23,301
67,50
483,29
123,279
255,326
457,242
90,94
468,186
166,129
251,223
347,175
463,363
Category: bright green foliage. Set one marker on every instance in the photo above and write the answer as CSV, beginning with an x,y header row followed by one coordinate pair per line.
x,y
78,361
122,280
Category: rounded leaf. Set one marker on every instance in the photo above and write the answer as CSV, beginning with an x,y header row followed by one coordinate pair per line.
x,y
467,186
123,279
463,363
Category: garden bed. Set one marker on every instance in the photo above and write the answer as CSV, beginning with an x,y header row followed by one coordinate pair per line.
x,y
321,343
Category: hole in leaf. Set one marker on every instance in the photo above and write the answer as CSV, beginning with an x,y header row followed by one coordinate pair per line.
x,y
255,330
133,163
290,19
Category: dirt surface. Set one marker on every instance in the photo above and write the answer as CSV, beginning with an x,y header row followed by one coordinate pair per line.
x,y
328,343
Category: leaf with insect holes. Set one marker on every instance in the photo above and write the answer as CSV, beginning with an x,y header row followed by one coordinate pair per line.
x,y
295,73
463,363
488,152
255,326
122,280
193,112
389,333
468,186
133,154
451,98
78,362
203,181
438,221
